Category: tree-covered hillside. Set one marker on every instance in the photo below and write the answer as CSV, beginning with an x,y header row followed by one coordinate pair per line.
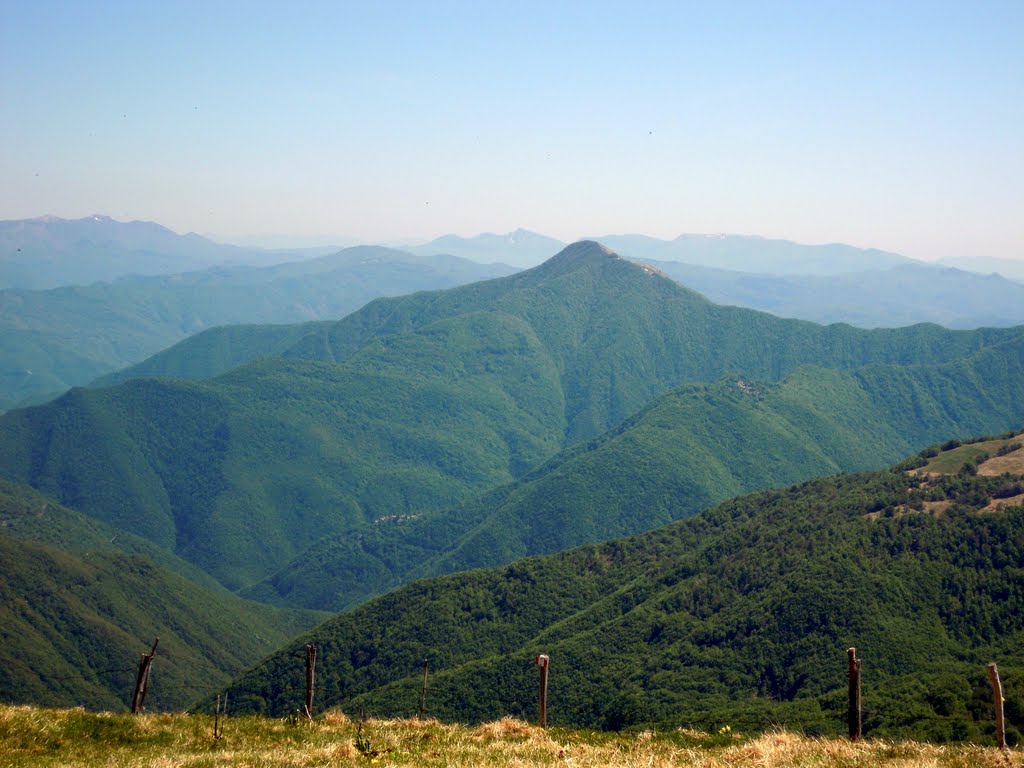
x,y
417,405
689,449
53,339
80,601
739,615
621,333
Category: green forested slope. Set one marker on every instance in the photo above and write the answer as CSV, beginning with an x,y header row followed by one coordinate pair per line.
x,y
53,339
78,604
620,333
740,615
691,448
240,474
212,352
416,405
700,445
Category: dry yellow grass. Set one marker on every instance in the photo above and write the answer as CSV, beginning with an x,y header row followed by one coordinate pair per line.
x,y
998,505
1007,464
78,739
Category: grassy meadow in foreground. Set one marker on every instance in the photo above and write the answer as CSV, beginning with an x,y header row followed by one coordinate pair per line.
x,y
41,737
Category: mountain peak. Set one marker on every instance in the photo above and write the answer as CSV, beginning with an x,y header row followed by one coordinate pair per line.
x,y
584,251
590,255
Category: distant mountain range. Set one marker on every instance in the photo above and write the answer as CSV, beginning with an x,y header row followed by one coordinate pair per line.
x,y
754,254
520,248
48,252
416,405
128,292
1009,268
888,297
54,339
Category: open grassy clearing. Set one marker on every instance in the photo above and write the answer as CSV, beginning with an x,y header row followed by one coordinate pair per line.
x,y
951,461
1009,464
31,736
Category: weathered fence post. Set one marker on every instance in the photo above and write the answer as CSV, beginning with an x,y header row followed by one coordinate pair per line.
x,y
310,677
423,691
997,700
853,712
542,661
142,680
216,720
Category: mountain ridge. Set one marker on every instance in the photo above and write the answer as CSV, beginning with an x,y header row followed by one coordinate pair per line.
x,y
417,404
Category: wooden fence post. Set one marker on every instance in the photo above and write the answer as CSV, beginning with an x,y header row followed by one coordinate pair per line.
x,y
543,662
853,712
310,677
997,700
142,679
423,691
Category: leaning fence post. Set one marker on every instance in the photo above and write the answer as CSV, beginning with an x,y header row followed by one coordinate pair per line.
x,y
997,700
542,661
853,712
310,675
142,679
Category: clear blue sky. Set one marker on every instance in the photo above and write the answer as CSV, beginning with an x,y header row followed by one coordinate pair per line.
x,y
897,125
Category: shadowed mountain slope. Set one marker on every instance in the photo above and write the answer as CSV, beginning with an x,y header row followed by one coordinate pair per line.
x,y
81,600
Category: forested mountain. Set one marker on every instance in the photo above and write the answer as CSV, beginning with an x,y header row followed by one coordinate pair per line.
x,y
881,298
741,615
80,600
892,297
689,449
418,404
620,333
212,352
51,340
118,292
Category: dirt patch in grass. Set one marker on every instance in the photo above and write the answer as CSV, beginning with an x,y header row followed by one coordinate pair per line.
x,y
1010,464
998,505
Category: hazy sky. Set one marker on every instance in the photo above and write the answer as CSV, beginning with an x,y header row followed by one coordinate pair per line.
x,y
897,125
